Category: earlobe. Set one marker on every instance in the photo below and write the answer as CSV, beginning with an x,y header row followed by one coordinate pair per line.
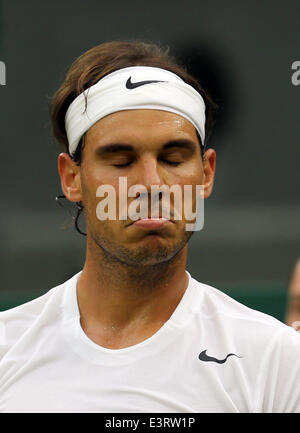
x,y
69,173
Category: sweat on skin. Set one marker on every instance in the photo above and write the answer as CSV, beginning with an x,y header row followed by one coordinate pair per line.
x,y
149,147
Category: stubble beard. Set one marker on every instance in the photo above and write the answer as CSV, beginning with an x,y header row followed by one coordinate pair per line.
x,y
140,264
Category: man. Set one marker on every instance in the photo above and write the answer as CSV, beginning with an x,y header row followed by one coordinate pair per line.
x,y
133,331
293,301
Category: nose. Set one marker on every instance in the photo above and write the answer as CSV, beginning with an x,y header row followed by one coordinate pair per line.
x,y
150,173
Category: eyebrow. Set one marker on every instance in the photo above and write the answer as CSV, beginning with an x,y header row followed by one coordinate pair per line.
x,y
113,148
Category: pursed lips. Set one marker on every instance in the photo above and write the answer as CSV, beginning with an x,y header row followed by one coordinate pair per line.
x,y
151,221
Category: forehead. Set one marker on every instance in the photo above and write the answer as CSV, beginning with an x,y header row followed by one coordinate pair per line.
x,y
138,126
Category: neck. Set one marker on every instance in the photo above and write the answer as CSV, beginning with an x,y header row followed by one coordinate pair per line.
x,y
116,299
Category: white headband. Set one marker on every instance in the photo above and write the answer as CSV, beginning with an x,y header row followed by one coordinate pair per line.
x,y
133,88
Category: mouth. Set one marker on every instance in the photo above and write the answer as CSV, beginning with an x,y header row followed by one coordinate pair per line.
x,y
152,223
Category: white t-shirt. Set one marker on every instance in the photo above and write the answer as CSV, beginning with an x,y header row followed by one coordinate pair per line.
x,y
48,364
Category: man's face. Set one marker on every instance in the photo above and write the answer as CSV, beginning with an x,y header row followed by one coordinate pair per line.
x,y
148,147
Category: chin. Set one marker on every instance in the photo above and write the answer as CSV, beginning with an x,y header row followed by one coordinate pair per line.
x,y
155,251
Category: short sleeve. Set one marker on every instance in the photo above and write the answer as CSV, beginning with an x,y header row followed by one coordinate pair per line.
x,y
279,375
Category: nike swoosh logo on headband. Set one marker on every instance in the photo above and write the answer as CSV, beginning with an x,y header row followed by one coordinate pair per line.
x,y
130,85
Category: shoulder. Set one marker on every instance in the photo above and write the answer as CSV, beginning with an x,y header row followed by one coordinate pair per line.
x,y
16,322
220,308
270,349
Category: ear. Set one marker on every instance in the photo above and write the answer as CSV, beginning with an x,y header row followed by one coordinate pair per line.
x,y
209,167
69,173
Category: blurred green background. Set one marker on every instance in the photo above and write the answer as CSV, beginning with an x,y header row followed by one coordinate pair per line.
x,y
242,53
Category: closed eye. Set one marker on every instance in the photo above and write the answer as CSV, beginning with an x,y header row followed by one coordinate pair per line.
x,y
166,161
125,164
174,163
172,159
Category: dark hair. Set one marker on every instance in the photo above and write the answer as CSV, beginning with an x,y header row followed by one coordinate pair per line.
x,y
100,61
108,57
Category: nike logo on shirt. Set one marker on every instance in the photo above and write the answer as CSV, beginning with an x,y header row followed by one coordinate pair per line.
x,y
130,85
204,357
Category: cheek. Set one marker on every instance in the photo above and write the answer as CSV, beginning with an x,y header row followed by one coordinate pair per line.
x,y
192,175
94,177
91,180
